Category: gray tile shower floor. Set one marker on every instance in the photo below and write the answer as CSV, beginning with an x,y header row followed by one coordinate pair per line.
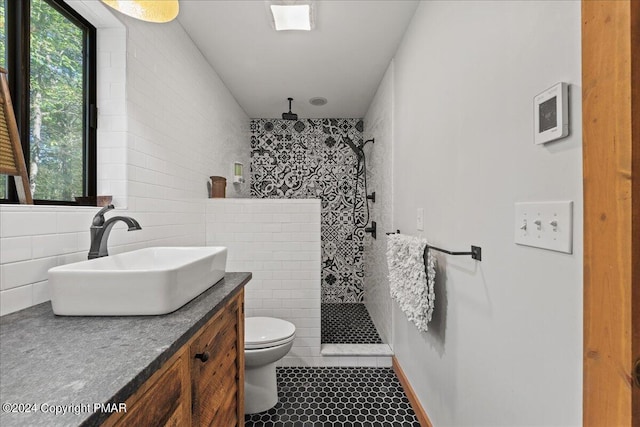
x,y
337,397
347,323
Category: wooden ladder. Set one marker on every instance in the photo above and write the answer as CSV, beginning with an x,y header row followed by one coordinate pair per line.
x,y
11,155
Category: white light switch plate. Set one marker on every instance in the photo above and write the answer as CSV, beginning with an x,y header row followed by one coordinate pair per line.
x,y
420,219
546,225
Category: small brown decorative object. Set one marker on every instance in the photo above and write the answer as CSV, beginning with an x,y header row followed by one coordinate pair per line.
x,y
103,201
218,187
99,201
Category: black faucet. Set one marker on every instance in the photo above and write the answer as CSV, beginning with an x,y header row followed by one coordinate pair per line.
x,y
100,230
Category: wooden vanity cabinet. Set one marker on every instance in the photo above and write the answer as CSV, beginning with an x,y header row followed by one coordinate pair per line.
x,y
163,402
217,371
202,384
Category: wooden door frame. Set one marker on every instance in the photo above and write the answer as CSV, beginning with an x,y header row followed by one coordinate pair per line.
x,y
611,172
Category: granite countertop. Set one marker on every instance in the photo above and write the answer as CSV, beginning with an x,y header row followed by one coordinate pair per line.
x,y
70,363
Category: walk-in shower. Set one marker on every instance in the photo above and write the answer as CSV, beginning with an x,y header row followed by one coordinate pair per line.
x,y
350,323
324,159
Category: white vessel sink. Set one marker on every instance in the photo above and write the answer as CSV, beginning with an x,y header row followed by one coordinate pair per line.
x,y
143,282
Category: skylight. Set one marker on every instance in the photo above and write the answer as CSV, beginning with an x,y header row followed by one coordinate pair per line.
x,y
292,17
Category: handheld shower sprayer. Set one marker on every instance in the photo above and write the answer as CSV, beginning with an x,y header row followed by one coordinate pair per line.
x,y
358,149
362,160
355,148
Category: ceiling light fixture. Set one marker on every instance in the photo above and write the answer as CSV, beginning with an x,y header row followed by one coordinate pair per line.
x,y
318,101
292,15
159,11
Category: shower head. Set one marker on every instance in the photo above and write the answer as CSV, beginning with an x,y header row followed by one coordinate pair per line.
x,y
355,148
290,115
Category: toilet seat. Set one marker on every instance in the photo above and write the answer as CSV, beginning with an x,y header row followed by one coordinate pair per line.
x,y
266,332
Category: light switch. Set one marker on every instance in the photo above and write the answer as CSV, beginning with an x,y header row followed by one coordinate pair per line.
x,y
420,219
546,225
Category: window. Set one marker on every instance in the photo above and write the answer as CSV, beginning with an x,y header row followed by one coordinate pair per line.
x,y
51,59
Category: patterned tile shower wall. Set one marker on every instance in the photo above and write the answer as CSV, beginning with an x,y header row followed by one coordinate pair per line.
x,y
310,159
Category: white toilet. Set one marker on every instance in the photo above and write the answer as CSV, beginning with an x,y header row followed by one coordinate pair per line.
x,y
266,340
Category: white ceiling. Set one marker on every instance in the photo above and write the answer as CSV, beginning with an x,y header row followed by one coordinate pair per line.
x,y
343,59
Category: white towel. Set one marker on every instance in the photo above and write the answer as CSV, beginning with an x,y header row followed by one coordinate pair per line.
x,y
411,286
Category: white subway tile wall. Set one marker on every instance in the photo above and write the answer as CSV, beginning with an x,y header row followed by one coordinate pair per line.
x,y
166,123
279,242
34,239
112,117
379,120
183,125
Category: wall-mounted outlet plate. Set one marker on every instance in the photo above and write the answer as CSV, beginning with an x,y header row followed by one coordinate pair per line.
x,y
546,225
420,219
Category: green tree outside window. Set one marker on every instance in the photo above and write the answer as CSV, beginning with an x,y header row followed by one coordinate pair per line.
x,y
56,119
58,97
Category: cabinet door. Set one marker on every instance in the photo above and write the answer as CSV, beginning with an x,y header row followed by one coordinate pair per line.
x,y
164,403
217,356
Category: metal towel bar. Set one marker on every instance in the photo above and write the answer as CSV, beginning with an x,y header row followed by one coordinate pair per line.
x,y
476,251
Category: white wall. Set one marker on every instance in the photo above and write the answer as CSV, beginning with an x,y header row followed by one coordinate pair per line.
x,y
183,123
34,239
278,240
505,346
112,112
379,125
181,126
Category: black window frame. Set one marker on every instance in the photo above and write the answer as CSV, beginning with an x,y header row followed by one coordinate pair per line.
x,y
17,16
